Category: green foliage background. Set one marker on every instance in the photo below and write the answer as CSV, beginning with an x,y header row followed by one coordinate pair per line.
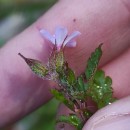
x,y
30,10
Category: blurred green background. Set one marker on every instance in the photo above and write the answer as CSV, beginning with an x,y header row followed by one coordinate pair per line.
x,y
15,16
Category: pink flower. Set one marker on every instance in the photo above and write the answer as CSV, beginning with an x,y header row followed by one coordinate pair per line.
x,y
61,37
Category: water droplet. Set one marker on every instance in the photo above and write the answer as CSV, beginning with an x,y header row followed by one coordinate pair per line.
x,y
105,84
72,117
98,86
100,94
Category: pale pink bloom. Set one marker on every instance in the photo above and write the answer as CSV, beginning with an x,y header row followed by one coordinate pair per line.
x,y
61,37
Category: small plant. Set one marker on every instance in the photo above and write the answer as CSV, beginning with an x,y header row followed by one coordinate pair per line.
x,y
74,91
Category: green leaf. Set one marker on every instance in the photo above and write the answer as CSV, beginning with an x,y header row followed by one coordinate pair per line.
x,y
93,62
59,96
36,66
80,91
72,120
101,90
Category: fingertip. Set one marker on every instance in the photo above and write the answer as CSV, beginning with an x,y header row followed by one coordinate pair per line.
x,y
114,116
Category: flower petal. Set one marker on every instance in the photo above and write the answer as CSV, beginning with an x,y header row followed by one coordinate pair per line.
x,y
71,44
48,36
71,37
60,35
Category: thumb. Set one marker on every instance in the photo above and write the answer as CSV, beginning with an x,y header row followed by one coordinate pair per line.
x,y
113,117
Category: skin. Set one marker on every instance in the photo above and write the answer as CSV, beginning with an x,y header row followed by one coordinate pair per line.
x,y
99,21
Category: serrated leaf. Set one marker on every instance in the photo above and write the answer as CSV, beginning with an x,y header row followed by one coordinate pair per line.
x,y
36,66
93,62
101,90
59,96
72,120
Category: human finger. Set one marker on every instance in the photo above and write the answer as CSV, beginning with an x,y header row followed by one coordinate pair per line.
x,y
114,116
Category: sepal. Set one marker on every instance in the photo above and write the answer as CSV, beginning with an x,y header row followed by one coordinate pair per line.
x,y
37,67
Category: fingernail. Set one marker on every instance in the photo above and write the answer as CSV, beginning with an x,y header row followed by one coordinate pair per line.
x,y
113,122
113,117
